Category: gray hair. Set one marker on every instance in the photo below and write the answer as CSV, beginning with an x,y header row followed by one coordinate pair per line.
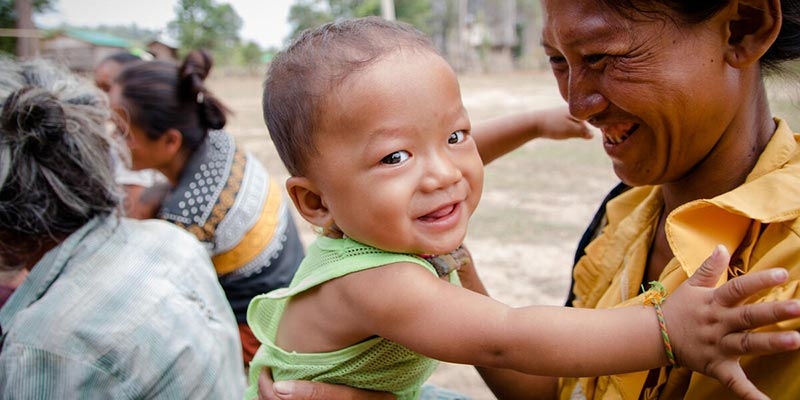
x,y
56,158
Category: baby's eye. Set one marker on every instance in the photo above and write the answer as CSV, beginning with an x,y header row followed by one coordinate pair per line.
x,y
456,137
396,158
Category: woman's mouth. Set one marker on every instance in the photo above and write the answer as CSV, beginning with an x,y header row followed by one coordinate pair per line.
x,y
618,133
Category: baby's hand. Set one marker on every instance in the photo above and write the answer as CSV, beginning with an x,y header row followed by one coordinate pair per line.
x,y
558,124
709,327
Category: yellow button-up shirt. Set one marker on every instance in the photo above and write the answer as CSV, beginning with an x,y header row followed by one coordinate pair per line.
x,y
758,222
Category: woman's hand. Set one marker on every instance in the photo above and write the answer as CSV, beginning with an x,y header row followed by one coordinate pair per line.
x,y
710,328
307,390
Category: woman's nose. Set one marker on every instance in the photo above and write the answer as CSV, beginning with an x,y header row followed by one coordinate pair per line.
x,y
584,99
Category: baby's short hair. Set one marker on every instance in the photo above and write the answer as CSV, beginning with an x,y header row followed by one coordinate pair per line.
x,y
301,77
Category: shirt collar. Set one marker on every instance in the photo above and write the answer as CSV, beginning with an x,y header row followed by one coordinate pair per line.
x,y
44,273
770,194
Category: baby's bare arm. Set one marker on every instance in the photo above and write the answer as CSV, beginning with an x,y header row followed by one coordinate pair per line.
x,y
472,329
408,305
498,136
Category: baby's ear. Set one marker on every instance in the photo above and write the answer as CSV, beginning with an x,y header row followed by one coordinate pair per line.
x,y
307,198
753,27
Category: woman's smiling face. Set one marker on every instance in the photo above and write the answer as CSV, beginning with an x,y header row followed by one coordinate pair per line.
x,y
660,90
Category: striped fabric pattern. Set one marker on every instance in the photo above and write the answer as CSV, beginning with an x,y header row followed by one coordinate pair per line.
x,y
122,309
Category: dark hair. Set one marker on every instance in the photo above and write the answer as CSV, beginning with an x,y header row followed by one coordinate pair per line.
x,y
302,77
159,96
56,157
122,57
785,48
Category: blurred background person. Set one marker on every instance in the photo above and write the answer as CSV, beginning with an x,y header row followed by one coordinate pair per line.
x,y
107,307
108,68
144,189
218,191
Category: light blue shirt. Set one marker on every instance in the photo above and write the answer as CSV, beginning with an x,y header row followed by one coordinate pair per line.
x,y
122,309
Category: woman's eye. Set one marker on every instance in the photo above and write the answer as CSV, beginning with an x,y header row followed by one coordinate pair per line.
x,y
557,60
558,64
456,137
595,58
396,158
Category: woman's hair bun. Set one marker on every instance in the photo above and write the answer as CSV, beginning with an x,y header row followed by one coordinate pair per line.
x,y
34,117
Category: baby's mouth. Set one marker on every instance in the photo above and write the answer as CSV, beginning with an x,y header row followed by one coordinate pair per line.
x,y
618,133
440,213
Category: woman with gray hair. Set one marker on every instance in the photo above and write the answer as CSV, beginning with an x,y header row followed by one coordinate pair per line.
x,y
95,305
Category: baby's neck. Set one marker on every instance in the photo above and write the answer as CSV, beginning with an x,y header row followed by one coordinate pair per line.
x,y
447,263
332,232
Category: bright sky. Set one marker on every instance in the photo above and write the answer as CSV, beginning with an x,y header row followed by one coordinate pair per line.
x,y
264,21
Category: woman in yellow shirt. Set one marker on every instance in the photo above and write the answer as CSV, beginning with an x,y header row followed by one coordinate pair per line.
x,y
677,89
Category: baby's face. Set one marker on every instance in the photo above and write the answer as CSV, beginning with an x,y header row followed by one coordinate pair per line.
x,y
398,168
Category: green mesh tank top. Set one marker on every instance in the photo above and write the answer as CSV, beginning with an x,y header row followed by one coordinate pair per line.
x,y
375,364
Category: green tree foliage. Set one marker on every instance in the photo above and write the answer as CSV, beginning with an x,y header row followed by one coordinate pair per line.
x,y
415,12
8,19
250,53
306,14
205,24
248,58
